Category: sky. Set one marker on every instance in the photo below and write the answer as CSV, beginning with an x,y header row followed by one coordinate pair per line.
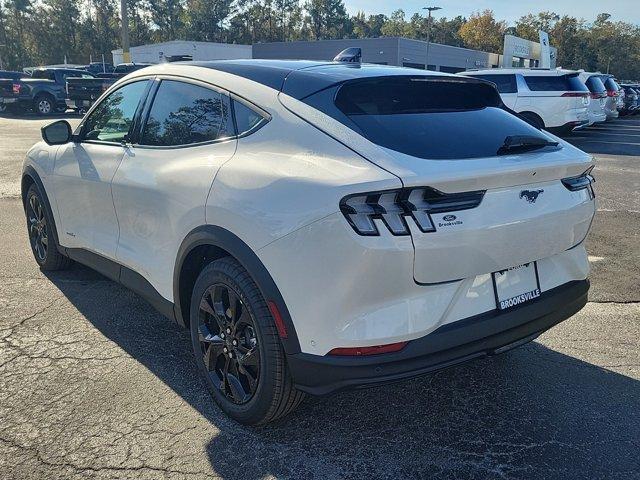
x,y
509,10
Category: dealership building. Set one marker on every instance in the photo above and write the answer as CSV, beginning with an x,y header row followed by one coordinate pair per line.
x,y
158,52
396,51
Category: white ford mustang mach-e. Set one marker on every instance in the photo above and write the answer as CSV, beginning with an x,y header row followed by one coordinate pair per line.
x,y
318,226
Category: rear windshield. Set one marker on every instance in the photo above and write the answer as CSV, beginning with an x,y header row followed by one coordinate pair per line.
x,y
426,117
595,85
555,83
43,75
611,84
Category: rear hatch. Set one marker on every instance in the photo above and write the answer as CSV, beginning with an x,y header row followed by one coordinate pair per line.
x,y
483,189
613,92
598,93
572,91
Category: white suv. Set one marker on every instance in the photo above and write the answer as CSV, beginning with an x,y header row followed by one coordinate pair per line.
x,y
599,98
552,99
317,226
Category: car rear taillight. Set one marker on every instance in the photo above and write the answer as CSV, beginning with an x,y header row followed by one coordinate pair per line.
x,y
612,93
375,350
15,88
393,207
581,182
575,94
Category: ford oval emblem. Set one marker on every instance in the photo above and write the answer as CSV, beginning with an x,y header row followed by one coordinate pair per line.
x,y
449,218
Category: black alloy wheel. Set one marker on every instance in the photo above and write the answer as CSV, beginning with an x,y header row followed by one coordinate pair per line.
x,y
38,232
40,228
236,345
229,344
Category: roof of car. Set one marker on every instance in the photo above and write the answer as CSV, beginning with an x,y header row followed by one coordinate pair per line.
x,y
300,78
522,71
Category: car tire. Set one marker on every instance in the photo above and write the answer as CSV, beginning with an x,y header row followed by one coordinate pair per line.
x,y
237,347
40,227
44,104
532,119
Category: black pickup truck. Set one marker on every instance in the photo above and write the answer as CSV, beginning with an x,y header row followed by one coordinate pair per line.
x,y
82,92
9,89
44,92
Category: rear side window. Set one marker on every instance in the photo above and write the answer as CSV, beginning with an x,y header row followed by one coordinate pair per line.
x,y
555,83
595,85
504,83
185,114
430,118
247,119
44,75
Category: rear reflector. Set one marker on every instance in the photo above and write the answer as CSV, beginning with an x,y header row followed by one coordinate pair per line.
x,y
375,350
277,318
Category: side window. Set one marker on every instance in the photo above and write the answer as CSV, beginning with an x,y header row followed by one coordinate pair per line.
x,y
247,119
504,83
112,119
184,114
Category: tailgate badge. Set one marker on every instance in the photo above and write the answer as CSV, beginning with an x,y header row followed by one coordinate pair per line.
x,y
530,195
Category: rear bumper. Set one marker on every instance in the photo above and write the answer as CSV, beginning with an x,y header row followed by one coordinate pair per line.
x,y
478,336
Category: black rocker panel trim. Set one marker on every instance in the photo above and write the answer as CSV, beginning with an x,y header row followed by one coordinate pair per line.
x,y
215,236
125,276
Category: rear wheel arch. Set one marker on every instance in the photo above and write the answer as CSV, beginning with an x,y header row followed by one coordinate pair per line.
x,y
533,118
207,243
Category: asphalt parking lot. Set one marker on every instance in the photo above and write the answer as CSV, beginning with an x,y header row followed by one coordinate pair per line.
x,y
95,384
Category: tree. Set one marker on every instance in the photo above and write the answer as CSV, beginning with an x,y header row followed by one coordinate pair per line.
x,y
327,19
483,32
204,19
396,25
167,16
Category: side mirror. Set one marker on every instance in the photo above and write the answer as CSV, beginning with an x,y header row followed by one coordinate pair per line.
x,y
57,133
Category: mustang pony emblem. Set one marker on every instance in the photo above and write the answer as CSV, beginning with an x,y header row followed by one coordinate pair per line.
x,y
530,195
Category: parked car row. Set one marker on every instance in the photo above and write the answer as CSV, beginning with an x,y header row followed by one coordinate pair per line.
x,y
562,100
49,90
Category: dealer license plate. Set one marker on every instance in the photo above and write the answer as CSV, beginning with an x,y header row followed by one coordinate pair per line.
x,y
516,285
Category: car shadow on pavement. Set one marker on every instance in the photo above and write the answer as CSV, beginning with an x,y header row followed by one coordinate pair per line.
x,y
530,413
617,137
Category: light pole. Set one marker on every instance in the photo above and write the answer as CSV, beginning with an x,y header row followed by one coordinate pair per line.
x,y
429,9
126,55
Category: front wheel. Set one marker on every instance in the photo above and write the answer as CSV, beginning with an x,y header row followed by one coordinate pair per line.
x,y
237,348
40,229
